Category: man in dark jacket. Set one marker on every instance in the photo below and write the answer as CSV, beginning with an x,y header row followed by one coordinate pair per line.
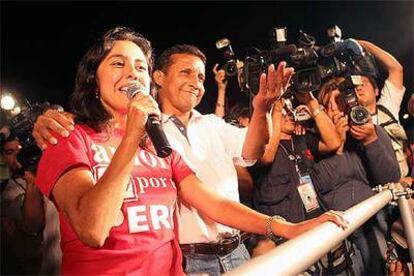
x,y
346,177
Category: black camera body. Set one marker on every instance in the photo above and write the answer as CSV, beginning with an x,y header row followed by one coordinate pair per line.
x,y
229,65
357,114
313,64
21,125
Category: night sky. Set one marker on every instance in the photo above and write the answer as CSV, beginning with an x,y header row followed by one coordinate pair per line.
x,y
42,42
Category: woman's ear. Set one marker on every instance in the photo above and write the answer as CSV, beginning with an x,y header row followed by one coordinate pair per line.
x,y
158,77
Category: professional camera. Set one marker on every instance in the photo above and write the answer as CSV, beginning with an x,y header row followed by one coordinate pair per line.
x,y
357,114
22,125
230,65
257,61
350,55
302,57
313,64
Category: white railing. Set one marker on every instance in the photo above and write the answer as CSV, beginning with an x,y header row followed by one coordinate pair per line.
x,y
407,217
296,255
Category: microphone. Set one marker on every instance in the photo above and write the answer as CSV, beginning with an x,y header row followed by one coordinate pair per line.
x,y
153,126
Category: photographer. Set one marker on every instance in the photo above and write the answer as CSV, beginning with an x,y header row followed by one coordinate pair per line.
x,y
385,111
220,77
221,80
22,216
345,177
28,219
239,115
287,188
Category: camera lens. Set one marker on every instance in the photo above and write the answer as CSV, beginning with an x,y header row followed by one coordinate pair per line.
x,y
359,115
231,69
306,80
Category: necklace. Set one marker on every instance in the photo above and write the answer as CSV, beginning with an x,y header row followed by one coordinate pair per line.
x,y
291,157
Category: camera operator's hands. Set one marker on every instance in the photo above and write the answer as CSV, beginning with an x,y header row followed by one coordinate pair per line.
x,y
365,133
394,68
239,65
271,86
311,103
220,77
33,208
305,98
341,125
29,177
52,120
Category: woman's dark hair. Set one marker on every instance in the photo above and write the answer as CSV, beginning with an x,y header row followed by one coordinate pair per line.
x,y
84,102
327,87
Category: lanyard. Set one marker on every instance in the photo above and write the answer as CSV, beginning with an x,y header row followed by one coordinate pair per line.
x,y
305,186
292,157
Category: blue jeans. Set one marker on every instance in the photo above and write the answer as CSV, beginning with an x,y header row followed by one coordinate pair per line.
x,y
214,264
369,240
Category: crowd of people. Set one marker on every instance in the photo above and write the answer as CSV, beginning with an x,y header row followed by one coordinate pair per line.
x,y
301,175
227,192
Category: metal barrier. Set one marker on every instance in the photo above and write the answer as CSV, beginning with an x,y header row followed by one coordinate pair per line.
x,y
407,217
296,255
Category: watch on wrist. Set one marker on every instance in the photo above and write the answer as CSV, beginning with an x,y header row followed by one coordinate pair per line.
x,y
317,111
269,232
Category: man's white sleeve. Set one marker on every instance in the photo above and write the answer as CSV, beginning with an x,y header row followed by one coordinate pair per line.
x,y
391,97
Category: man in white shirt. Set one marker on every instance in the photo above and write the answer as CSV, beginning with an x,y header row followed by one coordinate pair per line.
x,y
210,147
385,111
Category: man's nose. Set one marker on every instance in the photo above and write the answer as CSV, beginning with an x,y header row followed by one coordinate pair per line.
x,y
195,83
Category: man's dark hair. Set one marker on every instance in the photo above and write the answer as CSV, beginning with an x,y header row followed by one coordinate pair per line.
x,y
84,103
10,138
236,113
240,111
164,60
372,81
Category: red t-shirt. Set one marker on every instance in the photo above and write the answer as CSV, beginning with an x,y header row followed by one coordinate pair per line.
x,y
142,240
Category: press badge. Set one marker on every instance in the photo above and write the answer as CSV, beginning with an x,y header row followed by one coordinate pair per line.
x,y
307,193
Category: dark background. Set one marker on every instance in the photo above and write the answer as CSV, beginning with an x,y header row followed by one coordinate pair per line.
x,y
42,42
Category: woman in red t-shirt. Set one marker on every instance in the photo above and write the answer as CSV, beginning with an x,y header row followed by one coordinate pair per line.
x,y
116,198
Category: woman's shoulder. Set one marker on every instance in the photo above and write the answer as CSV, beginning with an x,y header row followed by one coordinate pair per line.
x,y
85,132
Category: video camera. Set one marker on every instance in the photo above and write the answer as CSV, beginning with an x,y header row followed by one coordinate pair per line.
x,y
313,64
21,125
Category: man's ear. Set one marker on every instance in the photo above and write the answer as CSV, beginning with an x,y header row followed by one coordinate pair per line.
x,y
376,92
158,77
